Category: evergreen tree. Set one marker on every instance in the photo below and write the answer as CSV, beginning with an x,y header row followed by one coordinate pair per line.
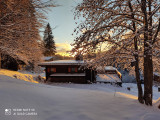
x,y
49,44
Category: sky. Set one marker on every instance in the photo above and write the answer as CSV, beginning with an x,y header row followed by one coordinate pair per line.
x,y
62,18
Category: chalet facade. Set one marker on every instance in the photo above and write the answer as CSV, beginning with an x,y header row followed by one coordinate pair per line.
x,y
68,71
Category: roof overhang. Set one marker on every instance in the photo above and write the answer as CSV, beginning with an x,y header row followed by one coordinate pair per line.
x,y
62,62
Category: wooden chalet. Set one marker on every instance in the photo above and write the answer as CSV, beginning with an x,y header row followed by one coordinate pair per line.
x,y
68,71
109,74
112,70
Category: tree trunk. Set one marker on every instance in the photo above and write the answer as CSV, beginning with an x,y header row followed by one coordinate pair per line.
x,y
148,79
140,90
148,67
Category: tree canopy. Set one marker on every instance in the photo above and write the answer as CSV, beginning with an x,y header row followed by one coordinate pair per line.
x,y
130,27
20,22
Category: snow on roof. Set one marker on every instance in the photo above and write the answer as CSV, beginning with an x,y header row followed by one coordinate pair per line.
x,y
63,62
100,68
106,68
67,74
110,68
47,58
108,78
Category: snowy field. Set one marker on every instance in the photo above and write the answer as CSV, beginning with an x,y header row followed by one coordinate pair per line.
x,y
69,102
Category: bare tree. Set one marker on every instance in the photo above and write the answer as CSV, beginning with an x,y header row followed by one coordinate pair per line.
x,y
110,21
19,28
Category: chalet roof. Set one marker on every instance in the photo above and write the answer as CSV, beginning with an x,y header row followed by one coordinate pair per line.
x,y
68,74
108,78
105,68
63,62
110,68
47,58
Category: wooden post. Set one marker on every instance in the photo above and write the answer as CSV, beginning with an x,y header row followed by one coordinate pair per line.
x,y
158,88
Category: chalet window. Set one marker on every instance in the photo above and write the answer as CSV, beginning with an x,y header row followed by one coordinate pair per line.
x,y
76,69
69,69
48,69
53,70
73,69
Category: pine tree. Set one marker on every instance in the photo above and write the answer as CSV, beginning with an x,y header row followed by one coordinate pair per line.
x,y
49,44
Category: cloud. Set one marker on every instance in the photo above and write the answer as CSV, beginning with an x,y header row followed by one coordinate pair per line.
x,y
62,48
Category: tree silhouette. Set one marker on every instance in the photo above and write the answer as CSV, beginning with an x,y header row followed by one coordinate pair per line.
x,y
49,44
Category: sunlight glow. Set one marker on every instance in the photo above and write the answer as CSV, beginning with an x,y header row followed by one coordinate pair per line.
x,y
18,75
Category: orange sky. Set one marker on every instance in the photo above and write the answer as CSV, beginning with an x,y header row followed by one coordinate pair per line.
x,y
62,48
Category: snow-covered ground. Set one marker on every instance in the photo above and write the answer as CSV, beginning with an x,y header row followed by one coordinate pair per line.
x,y
110,88
69,102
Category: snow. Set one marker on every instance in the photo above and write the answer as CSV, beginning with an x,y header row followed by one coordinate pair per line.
x,y
21,76
102,68
47,58
67,74
108,78
61,103
110,88
110,68
63,62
